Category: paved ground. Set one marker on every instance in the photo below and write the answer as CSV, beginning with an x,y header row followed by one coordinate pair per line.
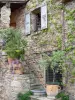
x,y
41,98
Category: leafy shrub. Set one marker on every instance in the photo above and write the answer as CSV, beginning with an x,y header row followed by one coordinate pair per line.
x,y
63,96
15,44
55,61
25,96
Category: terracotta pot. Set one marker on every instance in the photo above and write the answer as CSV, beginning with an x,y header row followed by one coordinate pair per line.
x,y
10,60
52,90
18,71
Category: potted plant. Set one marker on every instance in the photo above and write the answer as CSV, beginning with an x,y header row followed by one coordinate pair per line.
x,y
55,61
14,44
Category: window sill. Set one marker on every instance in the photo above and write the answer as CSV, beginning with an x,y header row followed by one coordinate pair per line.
x,y
36,32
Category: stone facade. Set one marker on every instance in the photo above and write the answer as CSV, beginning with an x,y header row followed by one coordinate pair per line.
x,y
5,17
38,42
16,84
46,40
12,84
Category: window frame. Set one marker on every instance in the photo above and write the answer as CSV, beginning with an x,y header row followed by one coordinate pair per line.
x,y
35,29
30,12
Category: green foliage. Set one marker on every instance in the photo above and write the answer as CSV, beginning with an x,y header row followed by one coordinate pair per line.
x,y
73,72
14,43
55,61
25,96
72,80
69,48
45,61
59,42
70,43
70,14
63,96
57,58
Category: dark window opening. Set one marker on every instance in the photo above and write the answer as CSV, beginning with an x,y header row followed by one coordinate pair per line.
x,y
37,22
49,76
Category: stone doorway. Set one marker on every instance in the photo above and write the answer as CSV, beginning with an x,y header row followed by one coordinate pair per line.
x,y
16,12
13,19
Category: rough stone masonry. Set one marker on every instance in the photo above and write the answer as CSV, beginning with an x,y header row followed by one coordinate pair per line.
x,y
10,84
39,41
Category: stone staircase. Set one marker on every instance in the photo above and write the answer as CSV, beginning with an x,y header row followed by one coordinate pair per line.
x,y
38,74
41,98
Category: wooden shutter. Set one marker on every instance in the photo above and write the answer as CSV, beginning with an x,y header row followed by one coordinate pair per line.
x,y
27,24
44,17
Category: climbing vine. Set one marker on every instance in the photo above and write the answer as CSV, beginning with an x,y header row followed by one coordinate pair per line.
x,y
52,36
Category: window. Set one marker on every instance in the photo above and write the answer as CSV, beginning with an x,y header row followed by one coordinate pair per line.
x,y
49,76
36,19
39,20
49,73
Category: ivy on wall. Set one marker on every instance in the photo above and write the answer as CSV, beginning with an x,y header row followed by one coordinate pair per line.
x,y
52,36
49,36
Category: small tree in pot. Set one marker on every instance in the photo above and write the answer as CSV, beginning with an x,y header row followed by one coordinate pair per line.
x,y
14,45
56,63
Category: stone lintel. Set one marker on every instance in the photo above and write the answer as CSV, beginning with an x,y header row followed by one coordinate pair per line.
x,y
14,1
65,1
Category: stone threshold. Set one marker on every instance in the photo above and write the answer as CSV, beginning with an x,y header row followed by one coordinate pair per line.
x,y
41,98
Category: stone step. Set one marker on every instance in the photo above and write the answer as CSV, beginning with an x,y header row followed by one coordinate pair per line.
x,y
41,98
36,86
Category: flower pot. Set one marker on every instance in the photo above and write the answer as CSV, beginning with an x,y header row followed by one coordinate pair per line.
x,y
17,67
10,60
18,72
52,90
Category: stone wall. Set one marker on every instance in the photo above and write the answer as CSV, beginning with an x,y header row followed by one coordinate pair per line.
x,y
48,39
16,84
5,17
70,6
2,89
11,84
41,41
31,58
